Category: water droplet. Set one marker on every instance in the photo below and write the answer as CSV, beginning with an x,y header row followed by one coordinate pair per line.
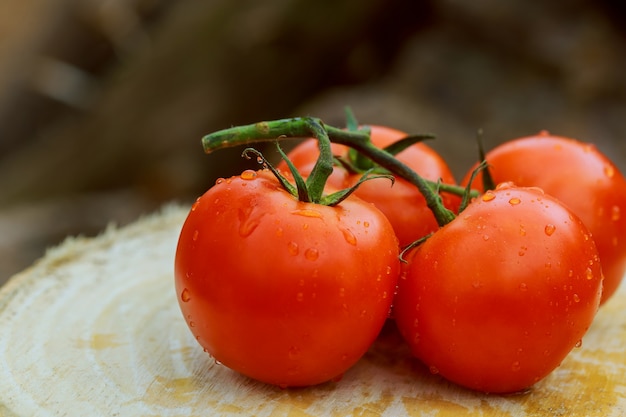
x,y
185,296
485,237
299,296
388,270
576,298
570,273
615,213
433,369
549,229
307,213
416,339
609,171
279,232
294,352
366,224
385,295
589,274
311,254
522,251
514,201
522,230
342,292
349,236
247,222
192,324
416,323
195,205
248,174
195,235
293,249
488,196
344,357
219,181
543,133
515,366
523,286
476,284
505,185
579,343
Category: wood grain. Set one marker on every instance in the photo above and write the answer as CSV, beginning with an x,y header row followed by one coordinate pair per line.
x,y
94,329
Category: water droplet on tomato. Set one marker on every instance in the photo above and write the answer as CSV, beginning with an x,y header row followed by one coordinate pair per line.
x,y
293,248
279,232
416,323
219,181
311,254
543,133
433,369
294,352
195,235
307,213
195,205
342,292
576,298
522,230
615,213
570,273
388,270
515,366
579,343
609,171
299,296
485,237
488,196
549,229
192,324
349,237
523,286
366,224
185,296
522,251
514,201
589,274
248,174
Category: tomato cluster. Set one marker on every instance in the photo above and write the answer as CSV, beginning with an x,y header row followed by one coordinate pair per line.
x,y
292,290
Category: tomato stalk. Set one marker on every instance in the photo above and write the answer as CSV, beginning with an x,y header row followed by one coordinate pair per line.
x,y
357,139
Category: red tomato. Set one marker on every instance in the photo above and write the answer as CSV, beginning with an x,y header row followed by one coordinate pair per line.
x,y
581,177
402,203
285,292
498,297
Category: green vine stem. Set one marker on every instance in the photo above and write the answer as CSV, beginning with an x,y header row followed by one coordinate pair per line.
x,y
302,127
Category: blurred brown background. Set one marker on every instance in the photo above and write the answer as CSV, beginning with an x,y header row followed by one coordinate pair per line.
x,y
103,102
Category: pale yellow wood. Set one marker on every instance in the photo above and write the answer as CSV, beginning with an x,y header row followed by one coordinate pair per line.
x,y
94,329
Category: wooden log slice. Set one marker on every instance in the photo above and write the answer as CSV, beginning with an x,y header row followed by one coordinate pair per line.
x,y
94,329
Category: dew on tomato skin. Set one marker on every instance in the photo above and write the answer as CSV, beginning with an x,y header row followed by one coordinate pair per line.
x,y
488,196
248,174
342,292
185,296
293,352
299,297
366,224
349,237
433,369
388,270
279,232
485,237
615,213
293,248
219,181
195,235
549,229
609,171
515,366
307,213
523,286
576,298
514,201
195,205
311,254
579,343
589,274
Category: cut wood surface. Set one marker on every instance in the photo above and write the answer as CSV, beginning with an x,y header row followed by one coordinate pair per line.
x,y
94,329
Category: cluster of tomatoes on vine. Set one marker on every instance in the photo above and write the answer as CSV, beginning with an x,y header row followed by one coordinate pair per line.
x,y
288,274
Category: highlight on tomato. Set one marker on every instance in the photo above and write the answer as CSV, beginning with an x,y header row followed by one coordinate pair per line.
x,y
281,282
402,203
582,178
498,297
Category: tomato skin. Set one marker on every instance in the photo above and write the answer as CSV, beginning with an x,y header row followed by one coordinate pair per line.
x,y
496,299
402,203
288,293
581,177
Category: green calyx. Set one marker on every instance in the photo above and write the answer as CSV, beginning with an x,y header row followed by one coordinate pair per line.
x,y
358,139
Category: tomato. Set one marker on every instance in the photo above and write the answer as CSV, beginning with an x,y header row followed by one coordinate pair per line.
x,y
497,298
285,292
402,203
581,177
